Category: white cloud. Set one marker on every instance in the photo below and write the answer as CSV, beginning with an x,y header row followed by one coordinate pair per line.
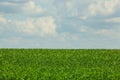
x,y
7,3
102,31
70,4
114,20
33,26
2,19
24,26
107,32
36,26
27,7
104,7
47,25
83,29
83,17
31,7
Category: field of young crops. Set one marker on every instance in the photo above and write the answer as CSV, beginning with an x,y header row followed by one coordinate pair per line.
x,y
46,64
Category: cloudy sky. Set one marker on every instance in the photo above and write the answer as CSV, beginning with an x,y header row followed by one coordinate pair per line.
x,y
59,23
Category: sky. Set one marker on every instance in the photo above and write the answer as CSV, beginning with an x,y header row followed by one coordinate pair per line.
x,y
60,24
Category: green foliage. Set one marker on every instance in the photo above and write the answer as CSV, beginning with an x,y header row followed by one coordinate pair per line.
x,y
59,64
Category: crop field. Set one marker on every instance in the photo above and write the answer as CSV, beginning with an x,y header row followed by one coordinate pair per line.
x,y
59,64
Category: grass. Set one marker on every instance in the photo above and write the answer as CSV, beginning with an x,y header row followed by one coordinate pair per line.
x,y
59,64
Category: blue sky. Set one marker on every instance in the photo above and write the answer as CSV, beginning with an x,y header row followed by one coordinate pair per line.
x,y
60,24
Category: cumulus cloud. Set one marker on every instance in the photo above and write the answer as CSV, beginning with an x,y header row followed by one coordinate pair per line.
x,y
47,25
31,7
14,1
2,19
15,7
104,7
112,32
34,26
84,29
71,8
6,3
114,20
105,32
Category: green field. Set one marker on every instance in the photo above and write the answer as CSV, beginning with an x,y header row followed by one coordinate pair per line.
x,y
59,64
